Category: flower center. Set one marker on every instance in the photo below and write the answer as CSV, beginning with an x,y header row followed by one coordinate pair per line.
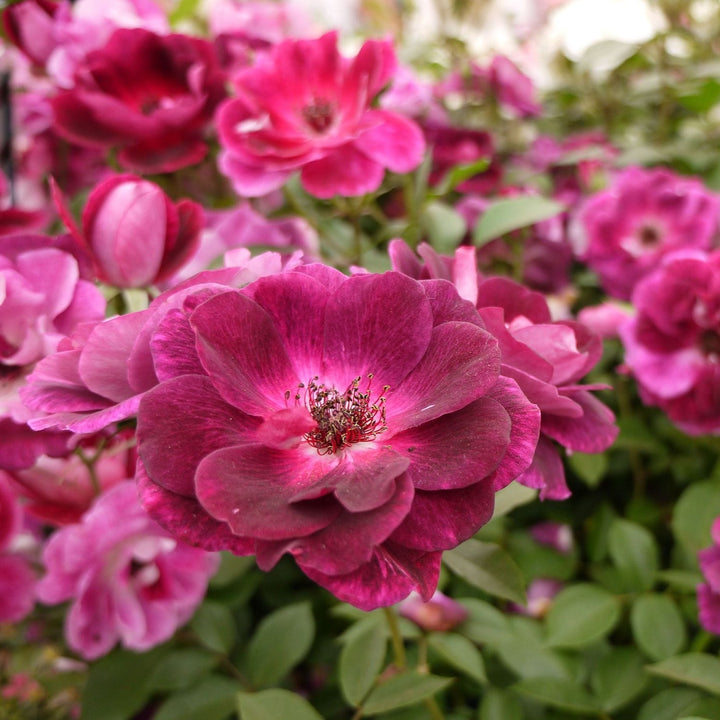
x,y
343,418
649,236
318,116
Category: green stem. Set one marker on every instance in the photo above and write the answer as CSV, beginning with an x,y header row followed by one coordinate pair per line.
x,y
434,709
396,638
702,640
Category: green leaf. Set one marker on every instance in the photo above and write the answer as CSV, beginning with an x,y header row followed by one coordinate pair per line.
x,y
683,580
184,10
500,704
694,514
704,97
444,225
406,688
214,625
668,704
590,468
281,641
528,659
634,552
658,626
275,704
211,699
619,678
697,669
459,174
580,615
182,668
559,693
504,216
106,694
512,496
485,623
232,567
361,660
459,652
488,567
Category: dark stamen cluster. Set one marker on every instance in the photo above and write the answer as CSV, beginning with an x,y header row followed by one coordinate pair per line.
x,y
342,418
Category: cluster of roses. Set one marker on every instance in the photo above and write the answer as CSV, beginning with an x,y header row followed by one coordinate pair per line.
x,y
361,424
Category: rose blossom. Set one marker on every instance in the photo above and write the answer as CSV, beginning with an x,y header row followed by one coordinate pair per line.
x,y
359,424
546,358
42,298
709,591
128,580
149,95
639,218
672,344
136,235
305,107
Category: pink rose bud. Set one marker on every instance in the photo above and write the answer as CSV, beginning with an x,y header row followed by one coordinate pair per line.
x,y
554,535
136,234
440,613
540,595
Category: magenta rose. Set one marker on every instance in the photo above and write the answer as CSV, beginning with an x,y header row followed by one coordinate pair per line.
x,y
359,424
546,358
639,218
136,235
305,107
128,580
672,344
149,95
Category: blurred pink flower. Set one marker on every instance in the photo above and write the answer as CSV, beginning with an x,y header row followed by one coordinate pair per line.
x,y
540,595
149,95
42,298
135,234
709,591
359,424
305,107
17,578
438,614
558,536
639,218
605,319
128,579
672,344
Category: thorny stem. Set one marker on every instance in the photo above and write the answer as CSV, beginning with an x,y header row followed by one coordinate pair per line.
x,y
396,638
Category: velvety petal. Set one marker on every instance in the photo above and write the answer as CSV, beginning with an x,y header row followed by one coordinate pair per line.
x,y
594,432
54,273
20,446
461,363
458,449
345,171
187,520
243,353
252,488
17,588
296,304
395,142
103,362
403,259
285,428
546,473
349,541
89,626
88,422
173,347
447,305
180,422
442,519
250,180
377,324
545,395
524,433
392,574
364,479
515,300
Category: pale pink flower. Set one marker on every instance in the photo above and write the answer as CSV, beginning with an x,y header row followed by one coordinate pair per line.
x,y
127,579
438,614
